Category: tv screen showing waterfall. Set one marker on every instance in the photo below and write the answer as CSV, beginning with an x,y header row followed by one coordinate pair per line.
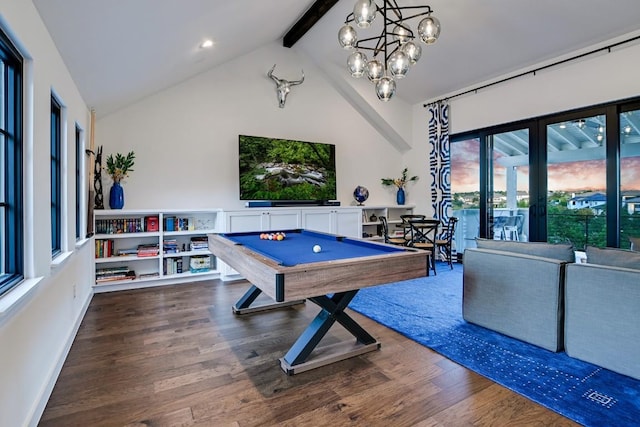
x,y
284,169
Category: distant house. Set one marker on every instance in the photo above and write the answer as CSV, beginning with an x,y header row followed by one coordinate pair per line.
x,y
633,205
593,201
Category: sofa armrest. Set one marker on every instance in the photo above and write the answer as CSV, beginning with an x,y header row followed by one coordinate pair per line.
x,y
602,316
515,294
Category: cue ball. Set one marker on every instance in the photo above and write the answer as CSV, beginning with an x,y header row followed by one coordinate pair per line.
x,y
317,248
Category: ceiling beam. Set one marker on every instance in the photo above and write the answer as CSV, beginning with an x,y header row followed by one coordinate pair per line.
x,y
308,20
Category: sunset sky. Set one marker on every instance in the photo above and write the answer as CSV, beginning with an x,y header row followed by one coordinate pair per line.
x,y
571,177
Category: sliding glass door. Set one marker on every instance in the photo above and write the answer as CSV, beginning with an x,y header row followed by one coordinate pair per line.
x,y
576,171
629,175
570,177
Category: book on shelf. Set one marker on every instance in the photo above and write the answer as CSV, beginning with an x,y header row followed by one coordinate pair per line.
x,y
119,225
150,249
170,246
199,243
114,276
104,248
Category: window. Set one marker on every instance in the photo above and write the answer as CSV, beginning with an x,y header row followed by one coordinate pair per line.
x,y
11,208
582,172
78,181
56,182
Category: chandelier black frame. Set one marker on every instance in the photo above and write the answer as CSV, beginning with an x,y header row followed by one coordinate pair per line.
x,y
393,42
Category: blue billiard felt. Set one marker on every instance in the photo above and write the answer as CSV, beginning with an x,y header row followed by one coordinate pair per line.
x,y
297,247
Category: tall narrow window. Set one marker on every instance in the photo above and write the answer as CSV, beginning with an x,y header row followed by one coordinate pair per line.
x,y
629,176
79,179
56,181
11,208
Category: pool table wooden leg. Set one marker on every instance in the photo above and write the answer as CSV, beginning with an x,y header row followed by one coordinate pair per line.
x,y
295,361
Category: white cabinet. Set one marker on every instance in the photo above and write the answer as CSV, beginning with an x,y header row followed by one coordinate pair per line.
x,y
262,220
371,226
345,221
136,248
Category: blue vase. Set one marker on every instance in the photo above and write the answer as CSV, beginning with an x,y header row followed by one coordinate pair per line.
x,y
400,196
116,196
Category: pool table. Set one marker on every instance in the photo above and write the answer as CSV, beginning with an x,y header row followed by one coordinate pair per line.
x,y
289,272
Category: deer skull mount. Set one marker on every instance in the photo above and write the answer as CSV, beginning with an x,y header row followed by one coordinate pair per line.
x,y
283,87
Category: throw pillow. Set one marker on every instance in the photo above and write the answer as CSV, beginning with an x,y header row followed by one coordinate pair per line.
x,y
635,243
613,257
559,251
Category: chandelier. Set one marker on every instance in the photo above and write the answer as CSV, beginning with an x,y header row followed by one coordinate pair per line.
x,y
395,44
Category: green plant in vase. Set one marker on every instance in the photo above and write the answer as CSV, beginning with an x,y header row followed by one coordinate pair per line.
x,y
400,183
118,168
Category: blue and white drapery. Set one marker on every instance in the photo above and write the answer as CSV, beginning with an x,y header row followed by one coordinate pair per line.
x,y
440,160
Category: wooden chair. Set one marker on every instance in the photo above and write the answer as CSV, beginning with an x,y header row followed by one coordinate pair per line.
x,y
401,241
423,236
445,243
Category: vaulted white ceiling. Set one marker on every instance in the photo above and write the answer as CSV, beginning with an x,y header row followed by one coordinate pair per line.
x,y
119,51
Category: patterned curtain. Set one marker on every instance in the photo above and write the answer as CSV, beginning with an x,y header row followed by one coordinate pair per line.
x,y
440,160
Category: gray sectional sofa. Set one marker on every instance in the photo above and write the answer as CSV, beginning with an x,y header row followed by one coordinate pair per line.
x,y
536,293
516,288
602,310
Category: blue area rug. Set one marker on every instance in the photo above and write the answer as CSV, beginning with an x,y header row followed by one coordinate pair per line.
x,y
429,311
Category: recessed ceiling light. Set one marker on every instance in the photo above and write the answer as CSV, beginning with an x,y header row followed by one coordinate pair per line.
x,y
206,44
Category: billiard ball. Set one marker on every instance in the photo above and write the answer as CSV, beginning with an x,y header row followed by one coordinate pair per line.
x,y
317,248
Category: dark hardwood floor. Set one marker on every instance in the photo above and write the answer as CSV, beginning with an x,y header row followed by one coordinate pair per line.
x,y
177,356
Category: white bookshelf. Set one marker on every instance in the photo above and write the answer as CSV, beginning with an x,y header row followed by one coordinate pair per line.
x,y
119,234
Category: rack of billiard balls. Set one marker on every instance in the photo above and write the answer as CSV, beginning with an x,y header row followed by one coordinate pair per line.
x,y
273,236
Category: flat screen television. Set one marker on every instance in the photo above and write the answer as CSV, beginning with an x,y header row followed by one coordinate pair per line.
x,y
284,169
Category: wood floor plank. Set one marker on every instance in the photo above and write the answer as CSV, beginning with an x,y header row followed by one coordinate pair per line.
x,y
178,356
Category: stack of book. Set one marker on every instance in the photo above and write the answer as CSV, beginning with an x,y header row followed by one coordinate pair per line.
x,y
172,266
145,250
199,243
170,246
110,274
104,248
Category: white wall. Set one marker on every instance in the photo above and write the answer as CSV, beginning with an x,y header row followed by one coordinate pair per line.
x,y
186,137
36,331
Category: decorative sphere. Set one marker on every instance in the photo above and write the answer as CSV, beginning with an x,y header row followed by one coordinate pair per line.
x,y
375,70
385,88
347,37
364,12
357,63
429,29
360,194
401,33
413,51
399,64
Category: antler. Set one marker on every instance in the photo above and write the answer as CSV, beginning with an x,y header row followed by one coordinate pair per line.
x,y
297,82
271,76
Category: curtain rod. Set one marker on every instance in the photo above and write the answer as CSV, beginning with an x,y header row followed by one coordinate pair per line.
x,y
573,58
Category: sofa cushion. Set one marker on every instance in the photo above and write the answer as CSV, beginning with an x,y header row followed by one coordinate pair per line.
x,y
559,251
635,243
613,257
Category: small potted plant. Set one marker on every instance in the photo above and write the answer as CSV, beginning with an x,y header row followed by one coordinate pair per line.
x,y
400,183
118,168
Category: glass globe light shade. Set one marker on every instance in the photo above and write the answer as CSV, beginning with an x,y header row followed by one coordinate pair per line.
x,y
385,88
398,64
347,37
364,12
401,34
413,51
356,64
375,70
429,29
